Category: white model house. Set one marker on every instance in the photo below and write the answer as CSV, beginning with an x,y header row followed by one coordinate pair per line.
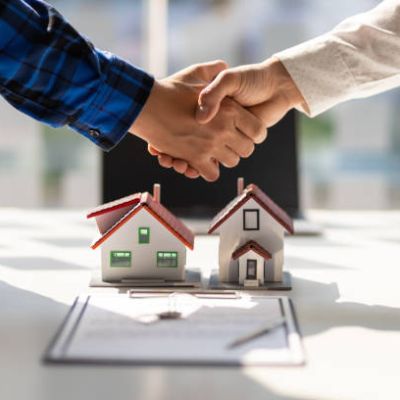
x,y
141,239
251,229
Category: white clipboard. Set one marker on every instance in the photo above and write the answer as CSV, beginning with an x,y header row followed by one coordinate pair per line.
x,y
116,329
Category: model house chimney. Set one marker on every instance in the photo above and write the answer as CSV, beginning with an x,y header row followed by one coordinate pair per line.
x,y
240,186
157,192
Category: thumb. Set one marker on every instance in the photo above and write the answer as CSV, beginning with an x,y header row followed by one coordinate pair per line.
x,y
225,84
209,70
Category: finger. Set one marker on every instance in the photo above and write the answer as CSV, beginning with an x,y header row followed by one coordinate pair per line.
x,y
201,73
165,161
191,173
208,71
271,111
183,167
242,145
227,157
250,125
208,169
225,84
233,137
152,150
180,166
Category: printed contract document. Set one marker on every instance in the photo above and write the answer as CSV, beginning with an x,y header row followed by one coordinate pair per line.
x,y
209,330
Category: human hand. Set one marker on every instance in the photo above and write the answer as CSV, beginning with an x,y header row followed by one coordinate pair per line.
x,y
168,122
265,88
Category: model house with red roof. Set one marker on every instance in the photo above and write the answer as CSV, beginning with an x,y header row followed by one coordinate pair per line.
x,y
251,229
141,240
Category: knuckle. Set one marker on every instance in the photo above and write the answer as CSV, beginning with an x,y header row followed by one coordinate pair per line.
x,y
210,174
197,67
235,162
261,135
230,160
210,145
178,170
225,125
228,108
164,162
191,173
214,176
180,167
224,135
227,76
217,140
242,146
248,150
228,163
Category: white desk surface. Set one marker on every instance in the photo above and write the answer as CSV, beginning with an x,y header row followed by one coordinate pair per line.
x,y
346,293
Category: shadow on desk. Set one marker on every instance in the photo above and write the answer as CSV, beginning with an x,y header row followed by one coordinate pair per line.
x,y
319,310
29,321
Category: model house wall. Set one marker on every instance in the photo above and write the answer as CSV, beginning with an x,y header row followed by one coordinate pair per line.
x,y
144,262
232,235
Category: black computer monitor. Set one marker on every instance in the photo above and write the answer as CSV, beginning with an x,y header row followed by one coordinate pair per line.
x,y
273,166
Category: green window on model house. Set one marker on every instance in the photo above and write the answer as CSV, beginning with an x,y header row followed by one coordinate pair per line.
x,y
120,259
144,235
167,259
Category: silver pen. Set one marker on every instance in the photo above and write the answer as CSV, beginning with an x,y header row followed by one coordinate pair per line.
x,y
269,326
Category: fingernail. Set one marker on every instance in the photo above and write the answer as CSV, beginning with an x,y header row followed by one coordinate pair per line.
x,y
202,111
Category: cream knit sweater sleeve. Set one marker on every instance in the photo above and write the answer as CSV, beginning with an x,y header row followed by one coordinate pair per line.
x,y
358,58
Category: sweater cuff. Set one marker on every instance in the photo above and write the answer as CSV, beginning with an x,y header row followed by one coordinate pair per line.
x,y
319,72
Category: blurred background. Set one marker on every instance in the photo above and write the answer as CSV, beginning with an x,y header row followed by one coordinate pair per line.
x,y
349,157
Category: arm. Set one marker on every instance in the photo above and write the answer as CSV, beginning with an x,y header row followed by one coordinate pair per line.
x,y
359,58
50,72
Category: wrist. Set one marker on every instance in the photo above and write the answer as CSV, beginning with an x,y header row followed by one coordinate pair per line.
x,y
283,83
145,123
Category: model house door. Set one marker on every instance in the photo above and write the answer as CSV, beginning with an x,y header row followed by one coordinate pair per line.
x,y
251,272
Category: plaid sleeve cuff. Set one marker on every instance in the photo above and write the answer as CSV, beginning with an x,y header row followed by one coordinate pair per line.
x,y
111,110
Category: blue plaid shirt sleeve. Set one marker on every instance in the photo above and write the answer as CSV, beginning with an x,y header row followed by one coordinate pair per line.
x,y
52,73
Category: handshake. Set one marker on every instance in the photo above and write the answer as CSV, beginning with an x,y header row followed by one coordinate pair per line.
x,y
208,115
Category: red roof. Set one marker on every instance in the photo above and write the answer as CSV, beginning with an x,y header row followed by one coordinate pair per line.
x,y
251,245
157,210
115,205
253,192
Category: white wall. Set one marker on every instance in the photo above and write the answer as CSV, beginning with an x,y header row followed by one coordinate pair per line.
x,y
232,235
144,256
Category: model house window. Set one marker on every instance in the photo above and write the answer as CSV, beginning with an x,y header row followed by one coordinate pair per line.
x,y
144,235
120,259
167,259
251,269
251,220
